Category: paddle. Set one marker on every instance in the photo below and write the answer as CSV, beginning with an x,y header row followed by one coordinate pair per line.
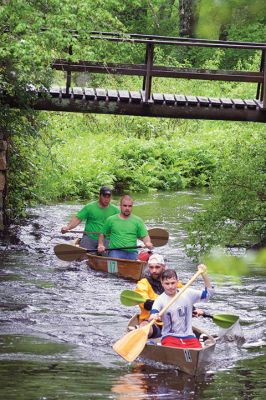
x,y
223,320
131,345
88,233
132,298
159,236
68,252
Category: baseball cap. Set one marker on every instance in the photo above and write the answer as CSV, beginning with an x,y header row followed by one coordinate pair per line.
x,y
156,259
105,190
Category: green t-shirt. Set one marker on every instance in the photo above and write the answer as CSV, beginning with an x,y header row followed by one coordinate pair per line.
x,y
95,216
124,232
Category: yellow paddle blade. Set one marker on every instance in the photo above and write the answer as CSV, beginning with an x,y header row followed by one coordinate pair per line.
x,y
131,345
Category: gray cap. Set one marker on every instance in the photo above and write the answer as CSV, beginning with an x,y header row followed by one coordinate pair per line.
x,y
105,190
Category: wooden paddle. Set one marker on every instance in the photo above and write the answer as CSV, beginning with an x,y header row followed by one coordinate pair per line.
x,y
131,298
131,345
159,236
70,252
87,233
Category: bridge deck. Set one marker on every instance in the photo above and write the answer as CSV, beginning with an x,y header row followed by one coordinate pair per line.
x,y
124,102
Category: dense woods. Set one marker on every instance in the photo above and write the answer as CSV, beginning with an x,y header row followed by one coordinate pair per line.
x,y
56,156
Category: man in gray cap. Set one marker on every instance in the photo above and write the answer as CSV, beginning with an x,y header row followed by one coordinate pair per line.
x,y
94,214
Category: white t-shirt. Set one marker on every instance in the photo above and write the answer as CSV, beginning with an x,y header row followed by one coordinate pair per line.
x,y
177,319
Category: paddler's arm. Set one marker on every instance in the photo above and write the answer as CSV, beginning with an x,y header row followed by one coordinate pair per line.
x,y
204,275
101,247
75,221
147,241
209,290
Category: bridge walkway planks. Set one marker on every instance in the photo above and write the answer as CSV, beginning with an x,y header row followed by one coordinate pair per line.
x,y
124,102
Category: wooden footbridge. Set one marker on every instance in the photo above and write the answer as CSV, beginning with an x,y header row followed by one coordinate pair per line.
x,y
145,102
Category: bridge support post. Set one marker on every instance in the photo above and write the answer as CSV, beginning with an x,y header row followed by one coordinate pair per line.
x,y
3,181
264,80
147,78
68,77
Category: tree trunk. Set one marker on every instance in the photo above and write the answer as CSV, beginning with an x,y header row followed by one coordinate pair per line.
x,y
3,184
187,17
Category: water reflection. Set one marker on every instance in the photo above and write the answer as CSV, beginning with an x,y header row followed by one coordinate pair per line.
x,y
145,381
246,381
59,320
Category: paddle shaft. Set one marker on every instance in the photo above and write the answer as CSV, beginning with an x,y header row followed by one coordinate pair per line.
x,y
96,233
158,236
206,315
119,248
86,232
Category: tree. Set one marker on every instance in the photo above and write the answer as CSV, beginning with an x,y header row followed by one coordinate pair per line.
x,y
33,33
215,18
236,214
187,17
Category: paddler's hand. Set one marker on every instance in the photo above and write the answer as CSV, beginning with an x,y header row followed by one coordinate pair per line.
x,y
202,268
154,316
101,248
64,229
149,245
197,312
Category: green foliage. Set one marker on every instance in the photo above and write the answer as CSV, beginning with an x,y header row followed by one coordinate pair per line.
x,y
54,157
236,214
215,15
77,156
24,161
250,263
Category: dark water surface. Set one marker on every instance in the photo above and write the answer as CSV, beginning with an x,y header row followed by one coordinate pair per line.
x,y
59,319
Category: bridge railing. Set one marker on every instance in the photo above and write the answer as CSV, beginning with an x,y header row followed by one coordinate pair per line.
x,y
149,70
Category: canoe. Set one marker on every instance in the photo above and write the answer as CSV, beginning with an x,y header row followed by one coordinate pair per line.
x,y
129,269
191,361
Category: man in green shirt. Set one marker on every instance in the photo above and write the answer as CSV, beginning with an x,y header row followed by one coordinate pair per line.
x,y
124,230
94,214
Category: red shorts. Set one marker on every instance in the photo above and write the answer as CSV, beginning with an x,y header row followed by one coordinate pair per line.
x,y
172,341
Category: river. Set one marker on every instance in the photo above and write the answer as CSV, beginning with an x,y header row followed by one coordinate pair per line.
x,y
59,319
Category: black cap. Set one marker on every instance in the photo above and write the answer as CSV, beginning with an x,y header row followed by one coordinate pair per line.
x,y
105,190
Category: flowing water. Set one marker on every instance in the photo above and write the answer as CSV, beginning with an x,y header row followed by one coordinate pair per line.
x,y
59,319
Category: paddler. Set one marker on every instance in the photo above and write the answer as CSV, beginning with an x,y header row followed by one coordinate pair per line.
x,y
177,321
94,214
